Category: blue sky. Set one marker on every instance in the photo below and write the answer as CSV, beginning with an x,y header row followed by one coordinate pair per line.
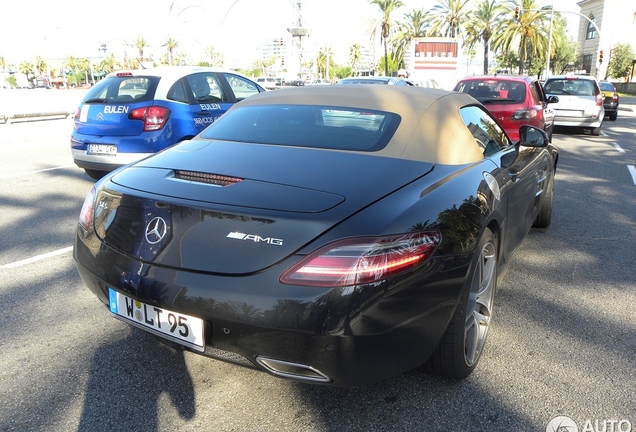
x,y
236,27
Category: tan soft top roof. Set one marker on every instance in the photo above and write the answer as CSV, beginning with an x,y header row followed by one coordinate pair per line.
x,y
431,129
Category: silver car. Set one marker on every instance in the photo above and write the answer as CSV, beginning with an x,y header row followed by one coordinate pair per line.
x,y
580,101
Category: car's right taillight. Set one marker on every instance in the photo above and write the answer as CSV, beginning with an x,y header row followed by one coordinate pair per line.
x,y
86,214
615,98
525,114
362,260
599,99
154,117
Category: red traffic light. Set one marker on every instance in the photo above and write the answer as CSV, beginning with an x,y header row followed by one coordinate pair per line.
x,y
517,13
600,57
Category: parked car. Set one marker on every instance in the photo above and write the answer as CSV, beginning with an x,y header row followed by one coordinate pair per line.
x,y
269,83
513,100
580,101
130,115
320,82
399,81
611,99
328,234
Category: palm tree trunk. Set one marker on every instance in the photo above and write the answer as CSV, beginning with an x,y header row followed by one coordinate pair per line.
x,y
386,60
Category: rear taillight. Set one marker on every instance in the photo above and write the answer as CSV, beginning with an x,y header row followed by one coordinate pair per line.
x,y
524,114
615,97
86,214
154,117
77,114
599,99
362,260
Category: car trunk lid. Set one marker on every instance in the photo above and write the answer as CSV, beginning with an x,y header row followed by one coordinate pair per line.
x,y
239,208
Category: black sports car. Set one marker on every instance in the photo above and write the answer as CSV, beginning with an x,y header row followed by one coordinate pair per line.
x,y
330,234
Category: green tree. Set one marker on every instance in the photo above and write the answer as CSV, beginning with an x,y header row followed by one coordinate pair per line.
x,y
324,63
141,44
564,50
72,63
215,56
387,7
447,18
170,45
12,81
412,26
84,66
528,34
620,63
40,65
481,26
26,68
355,54
3,63
108,64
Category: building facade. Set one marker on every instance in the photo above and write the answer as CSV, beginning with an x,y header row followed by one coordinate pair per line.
x,y
609,22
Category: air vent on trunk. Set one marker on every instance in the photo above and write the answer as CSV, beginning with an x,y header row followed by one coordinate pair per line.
x,y
200,177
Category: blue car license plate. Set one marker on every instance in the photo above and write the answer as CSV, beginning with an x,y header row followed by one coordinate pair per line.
x,y
177,327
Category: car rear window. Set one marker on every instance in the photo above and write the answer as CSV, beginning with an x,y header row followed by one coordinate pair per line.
x,y
494,90
123,89
306,126
607,87
567,86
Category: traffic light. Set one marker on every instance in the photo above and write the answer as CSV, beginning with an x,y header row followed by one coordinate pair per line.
x,y
280,42
517,13
282,61
600,57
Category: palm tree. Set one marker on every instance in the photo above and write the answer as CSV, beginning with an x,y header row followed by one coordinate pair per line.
x,y
72,63
108,64
447,18
387,7
40,65
140,43
481,26
355,54
324,62
215,56
529,34
3,63
412,27
171,44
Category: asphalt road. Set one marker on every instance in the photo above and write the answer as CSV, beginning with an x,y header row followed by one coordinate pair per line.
x,y
563,340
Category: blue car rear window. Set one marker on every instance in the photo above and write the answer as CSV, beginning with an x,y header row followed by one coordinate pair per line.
x,y
306,126
123,89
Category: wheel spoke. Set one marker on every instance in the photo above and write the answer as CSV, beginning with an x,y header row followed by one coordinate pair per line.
x,y
480,302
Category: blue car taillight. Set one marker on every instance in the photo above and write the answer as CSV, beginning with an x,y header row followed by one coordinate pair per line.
x,y
154,117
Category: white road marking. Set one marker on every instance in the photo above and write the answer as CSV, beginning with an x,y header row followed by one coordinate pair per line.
x,y
35,172
619,148
632,171
36,258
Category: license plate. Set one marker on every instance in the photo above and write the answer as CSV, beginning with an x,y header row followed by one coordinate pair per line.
x,y
569,113
102,149
177,327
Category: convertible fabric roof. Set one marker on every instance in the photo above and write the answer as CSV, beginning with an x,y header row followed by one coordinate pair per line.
x,y
431,129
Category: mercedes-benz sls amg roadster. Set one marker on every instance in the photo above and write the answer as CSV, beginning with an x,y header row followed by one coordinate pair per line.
x,y
330,234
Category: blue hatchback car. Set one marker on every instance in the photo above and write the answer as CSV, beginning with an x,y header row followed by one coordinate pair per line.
x,y
131,115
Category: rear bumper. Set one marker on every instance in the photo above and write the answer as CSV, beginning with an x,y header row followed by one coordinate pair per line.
x,y
344,337
105,163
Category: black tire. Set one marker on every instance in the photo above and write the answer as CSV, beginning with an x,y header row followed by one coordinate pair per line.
x,y
544,217
613,116
95,174
596,131
462,345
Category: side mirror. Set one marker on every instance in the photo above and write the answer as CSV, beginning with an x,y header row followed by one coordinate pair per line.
x,y
530,136
552,99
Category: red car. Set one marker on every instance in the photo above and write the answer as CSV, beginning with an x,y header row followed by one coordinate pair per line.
x,y
512,100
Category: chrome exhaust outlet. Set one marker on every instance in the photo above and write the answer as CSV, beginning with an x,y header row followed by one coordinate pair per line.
x,y
292,370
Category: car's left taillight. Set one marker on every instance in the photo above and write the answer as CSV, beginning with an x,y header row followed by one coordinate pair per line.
x,y
154,117
86,214
362,260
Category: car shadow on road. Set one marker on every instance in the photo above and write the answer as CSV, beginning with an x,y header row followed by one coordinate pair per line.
x,y
133,373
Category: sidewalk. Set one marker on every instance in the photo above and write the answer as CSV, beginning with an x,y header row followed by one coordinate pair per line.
x,y
18,105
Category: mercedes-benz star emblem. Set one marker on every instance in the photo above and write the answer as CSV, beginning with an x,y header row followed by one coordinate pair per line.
x,y
156,230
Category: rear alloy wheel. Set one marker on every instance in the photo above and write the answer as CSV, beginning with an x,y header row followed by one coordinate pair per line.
x,y
462,345
544,217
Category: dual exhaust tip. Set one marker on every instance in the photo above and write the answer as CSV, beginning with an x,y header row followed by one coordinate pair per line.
x,y
294,371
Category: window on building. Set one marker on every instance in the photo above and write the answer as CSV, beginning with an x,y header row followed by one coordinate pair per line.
x,y
591,29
